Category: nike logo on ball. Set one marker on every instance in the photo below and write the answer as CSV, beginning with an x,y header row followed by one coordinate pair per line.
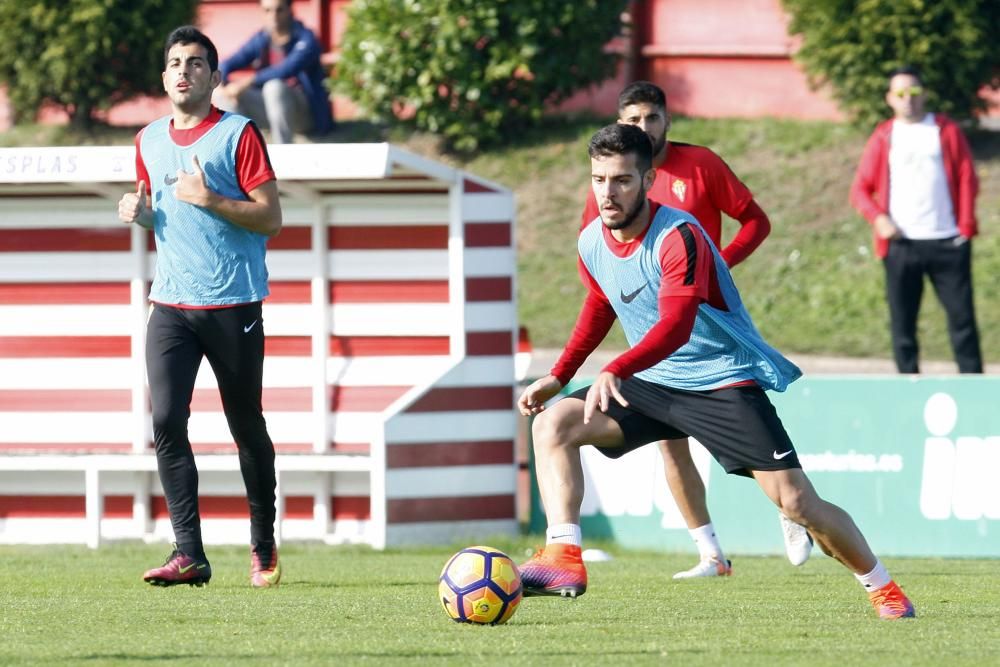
x,y
782,455
628,298
248,328
168,180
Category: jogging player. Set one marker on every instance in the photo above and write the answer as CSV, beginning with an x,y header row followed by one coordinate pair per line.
x,y
212,204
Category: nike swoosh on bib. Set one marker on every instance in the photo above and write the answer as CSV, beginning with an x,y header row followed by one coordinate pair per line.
x,y
168,180
629,298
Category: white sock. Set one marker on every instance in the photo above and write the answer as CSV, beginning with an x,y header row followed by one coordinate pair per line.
x,y
564,533
876,579
706,541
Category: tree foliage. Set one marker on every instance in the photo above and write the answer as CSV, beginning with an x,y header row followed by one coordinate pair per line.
x,y
854,44
84,55
474,71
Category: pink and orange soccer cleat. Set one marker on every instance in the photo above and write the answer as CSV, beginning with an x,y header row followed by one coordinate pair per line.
x,y
265,570
891,602
555,570
180,569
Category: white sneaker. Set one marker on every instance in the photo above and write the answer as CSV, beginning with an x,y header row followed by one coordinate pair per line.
x,y
798,541
709,567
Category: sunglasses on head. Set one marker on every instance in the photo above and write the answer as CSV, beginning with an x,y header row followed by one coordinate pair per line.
x,y
912,91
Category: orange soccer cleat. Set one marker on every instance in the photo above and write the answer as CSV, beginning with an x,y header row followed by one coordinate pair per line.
x,y
891,602
555,570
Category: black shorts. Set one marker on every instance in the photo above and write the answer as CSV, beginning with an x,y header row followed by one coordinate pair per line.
x,y
738,425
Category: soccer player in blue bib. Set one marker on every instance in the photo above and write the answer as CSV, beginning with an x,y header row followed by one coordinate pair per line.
x,y
212,204
696,367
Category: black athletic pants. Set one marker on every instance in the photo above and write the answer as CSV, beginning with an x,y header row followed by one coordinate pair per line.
x,y
948,264
232,339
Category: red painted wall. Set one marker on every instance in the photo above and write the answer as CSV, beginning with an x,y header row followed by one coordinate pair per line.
x,y
715,58
722,58
228,23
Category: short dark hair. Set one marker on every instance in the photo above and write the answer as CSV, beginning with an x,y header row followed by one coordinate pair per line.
x,y
188,34
642,92
911,70
623,139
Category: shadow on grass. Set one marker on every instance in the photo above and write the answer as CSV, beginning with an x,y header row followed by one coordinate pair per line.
x,y
304,584
985,144
354,132
138,657
375,655
550,130
100,134
557,129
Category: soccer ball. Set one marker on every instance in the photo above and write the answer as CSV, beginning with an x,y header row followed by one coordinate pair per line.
x,y
480,585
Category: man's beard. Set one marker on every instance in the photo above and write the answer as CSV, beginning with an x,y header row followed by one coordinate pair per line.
x,y
630,216
659,144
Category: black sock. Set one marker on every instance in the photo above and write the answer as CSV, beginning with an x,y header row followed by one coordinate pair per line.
x,y
193,549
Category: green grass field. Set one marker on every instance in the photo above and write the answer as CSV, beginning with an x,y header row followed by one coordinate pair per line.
x,y
351,605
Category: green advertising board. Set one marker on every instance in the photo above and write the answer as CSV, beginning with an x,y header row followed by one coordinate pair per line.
x,y
913,459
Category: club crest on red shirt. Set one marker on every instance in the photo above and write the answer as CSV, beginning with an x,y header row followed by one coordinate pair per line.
x,y
679,188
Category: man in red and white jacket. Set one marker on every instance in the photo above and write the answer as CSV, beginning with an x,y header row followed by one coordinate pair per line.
x,y
916,185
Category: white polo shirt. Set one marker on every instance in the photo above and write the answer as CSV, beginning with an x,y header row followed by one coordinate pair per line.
x,y
919,199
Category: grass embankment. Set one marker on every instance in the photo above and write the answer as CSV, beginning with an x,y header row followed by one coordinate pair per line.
x,y
812,287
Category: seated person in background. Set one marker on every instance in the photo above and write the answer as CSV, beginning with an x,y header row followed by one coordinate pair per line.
x,y
285,93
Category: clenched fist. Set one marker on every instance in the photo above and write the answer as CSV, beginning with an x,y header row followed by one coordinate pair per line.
x,y
132,204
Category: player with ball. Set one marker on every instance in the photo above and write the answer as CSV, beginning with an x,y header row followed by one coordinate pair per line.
x,y
696,366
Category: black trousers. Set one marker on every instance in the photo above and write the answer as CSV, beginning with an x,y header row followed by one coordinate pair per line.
x,y
948,264
232,339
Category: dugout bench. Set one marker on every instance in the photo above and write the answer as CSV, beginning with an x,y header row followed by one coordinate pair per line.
x,y
389,370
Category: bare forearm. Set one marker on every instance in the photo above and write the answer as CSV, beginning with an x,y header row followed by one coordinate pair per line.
x,y
260,212
260,217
